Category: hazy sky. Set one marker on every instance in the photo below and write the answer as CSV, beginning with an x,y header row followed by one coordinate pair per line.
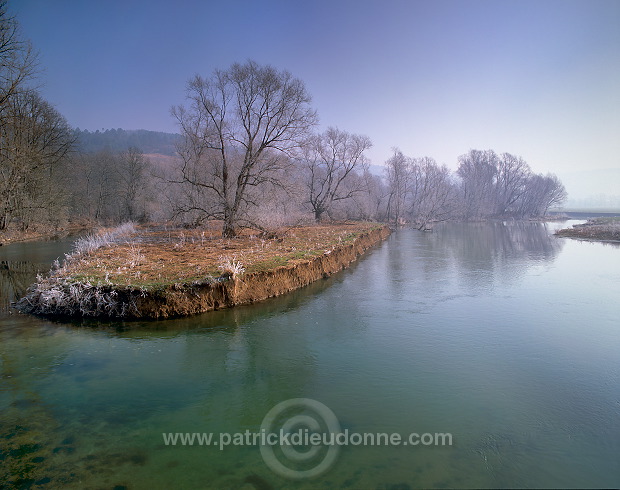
x,y
538,79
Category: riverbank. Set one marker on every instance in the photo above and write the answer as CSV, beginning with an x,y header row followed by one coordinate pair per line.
x,y
14,235
133,273
599,229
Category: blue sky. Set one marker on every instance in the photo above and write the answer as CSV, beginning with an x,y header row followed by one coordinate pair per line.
x,y
540,79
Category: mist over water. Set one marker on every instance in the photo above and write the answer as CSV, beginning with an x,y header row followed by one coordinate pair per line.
x,y
498,333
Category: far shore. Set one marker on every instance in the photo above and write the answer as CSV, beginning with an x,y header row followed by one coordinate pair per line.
x,y
43,233
605,229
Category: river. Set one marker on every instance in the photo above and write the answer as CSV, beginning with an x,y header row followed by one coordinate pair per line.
x,y
498,334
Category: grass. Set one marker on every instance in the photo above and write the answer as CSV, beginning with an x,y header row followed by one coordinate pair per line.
x,y
153,258
94,241
605,229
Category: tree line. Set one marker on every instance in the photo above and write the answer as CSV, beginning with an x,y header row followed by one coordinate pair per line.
x,y
485,185
119,140
248,154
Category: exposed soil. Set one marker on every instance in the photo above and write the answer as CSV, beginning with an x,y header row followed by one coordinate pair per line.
x,y
162,273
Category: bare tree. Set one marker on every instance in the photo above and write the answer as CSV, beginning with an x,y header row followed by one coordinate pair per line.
x,y
332,161
542,192
555,193
113,187
369,204
500,187
282,205
34,141
237,133
17,60
98,197
398,174
477,170
373,202
17,65
432,192
510,183
132,178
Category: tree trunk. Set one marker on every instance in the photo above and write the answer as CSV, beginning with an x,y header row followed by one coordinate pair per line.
x,y
230,229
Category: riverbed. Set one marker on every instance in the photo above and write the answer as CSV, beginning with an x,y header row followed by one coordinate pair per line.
x,y
499,334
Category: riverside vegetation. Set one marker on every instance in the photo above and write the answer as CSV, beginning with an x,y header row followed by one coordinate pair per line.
x,y
248,153
138,272
248,156
600,229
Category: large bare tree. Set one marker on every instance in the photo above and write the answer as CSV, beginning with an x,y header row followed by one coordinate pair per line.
x,y
238,131
332,160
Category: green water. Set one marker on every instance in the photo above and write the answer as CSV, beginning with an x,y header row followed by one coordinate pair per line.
x,y
499,334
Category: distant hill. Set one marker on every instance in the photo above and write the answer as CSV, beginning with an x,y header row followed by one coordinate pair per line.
x,y
116,140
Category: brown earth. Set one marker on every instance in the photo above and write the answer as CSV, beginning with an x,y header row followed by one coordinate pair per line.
x,y
169,274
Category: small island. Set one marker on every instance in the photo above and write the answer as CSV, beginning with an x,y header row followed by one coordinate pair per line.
x,y
600,229
155,272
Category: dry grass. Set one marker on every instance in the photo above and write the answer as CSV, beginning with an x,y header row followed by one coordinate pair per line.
x,y
604,229
156,257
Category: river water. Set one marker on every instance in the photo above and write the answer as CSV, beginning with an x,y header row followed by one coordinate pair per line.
x,y
498,334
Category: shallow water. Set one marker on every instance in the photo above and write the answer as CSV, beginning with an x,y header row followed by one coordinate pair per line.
x,y
497,333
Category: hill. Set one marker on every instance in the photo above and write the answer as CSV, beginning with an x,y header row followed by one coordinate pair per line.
x,y
116,140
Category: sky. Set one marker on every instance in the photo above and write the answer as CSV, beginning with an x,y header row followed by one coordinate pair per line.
x,y
539,79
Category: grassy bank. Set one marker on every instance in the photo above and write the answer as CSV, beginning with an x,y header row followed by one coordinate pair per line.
x,y
133,272
603,229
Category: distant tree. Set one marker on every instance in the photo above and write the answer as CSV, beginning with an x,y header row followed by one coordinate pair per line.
x,y
332,161
238,131
554,193
372,202
493,186
398,176
511,180
420,190
118,140
368,204
280,205
433,194
133,182
542,192
95,191
477,170
113,187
